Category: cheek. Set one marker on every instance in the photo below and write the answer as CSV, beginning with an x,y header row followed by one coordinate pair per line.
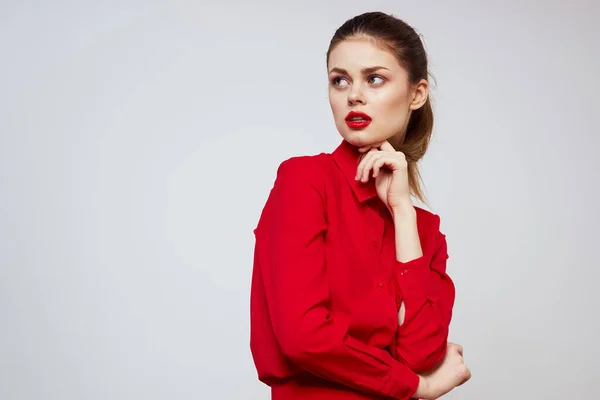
x,y
392,107
393,100
337,104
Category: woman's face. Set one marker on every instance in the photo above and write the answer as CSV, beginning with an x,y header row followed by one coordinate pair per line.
x,y
364,78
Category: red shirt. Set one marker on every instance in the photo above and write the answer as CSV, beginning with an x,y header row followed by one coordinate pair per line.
x,y
326,288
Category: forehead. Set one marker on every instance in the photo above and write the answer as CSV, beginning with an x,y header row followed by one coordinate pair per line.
x,y
355,54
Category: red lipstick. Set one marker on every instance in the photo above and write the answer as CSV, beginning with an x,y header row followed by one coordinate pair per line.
x,y
357,120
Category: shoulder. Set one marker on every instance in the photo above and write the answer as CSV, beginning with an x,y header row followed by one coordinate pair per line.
x,y
308,169
296,193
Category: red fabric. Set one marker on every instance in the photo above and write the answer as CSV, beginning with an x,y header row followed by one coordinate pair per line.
x,y
326,288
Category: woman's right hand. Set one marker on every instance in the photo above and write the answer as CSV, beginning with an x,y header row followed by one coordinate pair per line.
x,y
450,373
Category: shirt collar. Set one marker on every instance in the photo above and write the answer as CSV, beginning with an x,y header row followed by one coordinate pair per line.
x,y
346,156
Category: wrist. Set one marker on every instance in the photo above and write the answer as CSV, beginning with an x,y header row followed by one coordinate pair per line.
x,y
424,388
403,208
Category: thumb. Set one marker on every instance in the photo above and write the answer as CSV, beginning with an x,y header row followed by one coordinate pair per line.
x,y
372,146
386,146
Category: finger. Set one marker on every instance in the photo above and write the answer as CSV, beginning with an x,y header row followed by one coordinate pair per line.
x,y
465,379
367,147
382,160
370,146
361,165
386,146
369,164
377,145
393,161
465,375
363,174
377,165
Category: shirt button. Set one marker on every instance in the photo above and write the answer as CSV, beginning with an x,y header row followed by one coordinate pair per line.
x,y
379,286
404,271
375,244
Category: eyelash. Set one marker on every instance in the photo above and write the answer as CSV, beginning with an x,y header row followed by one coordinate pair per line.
x,y
335,80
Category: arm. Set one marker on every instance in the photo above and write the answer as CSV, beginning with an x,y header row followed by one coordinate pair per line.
x,y
428,294
290,249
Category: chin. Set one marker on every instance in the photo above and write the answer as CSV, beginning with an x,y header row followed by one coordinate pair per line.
x,y
359,138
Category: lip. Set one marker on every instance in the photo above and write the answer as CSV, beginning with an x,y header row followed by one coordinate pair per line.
x,y
354,114
357,124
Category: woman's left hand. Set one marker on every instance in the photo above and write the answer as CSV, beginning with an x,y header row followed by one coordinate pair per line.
x,y
390,171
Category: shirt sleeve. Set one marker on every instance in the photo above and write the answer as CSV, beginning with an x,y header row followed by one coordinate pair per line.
x,y
290,240
428,294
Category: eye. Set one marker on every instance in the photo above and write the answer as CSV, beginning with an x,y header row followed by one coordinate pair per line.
x,y
336,81
376,77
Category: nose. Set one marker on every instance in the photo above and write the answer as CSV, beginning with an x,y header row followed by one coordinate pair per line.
x,y
355,96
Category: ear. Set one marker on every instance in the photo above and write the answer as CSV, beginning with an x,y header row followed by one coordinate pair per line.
x,y
420,93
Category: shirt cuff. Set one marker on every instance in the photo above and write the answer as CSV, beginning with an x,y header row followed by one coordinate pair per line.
x,y
407,384
413,277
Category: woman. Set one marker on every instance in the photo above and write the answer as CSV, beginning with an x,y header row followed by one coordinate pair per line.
x,y
350,297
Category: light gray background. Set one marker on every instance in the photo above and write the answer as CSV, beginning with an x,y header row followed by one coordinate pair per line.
x,y
139,140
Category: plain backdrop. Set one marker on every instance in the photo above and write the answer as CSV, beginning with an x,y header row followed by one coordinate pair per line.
x,y
139,141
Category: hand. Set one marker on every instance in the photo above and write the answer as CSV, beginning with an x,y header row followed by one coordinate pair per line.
x,y
390,171
450,373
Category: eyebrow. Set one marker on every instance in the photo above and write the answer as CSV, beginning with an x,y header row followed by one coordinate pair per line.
x,y
364,71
